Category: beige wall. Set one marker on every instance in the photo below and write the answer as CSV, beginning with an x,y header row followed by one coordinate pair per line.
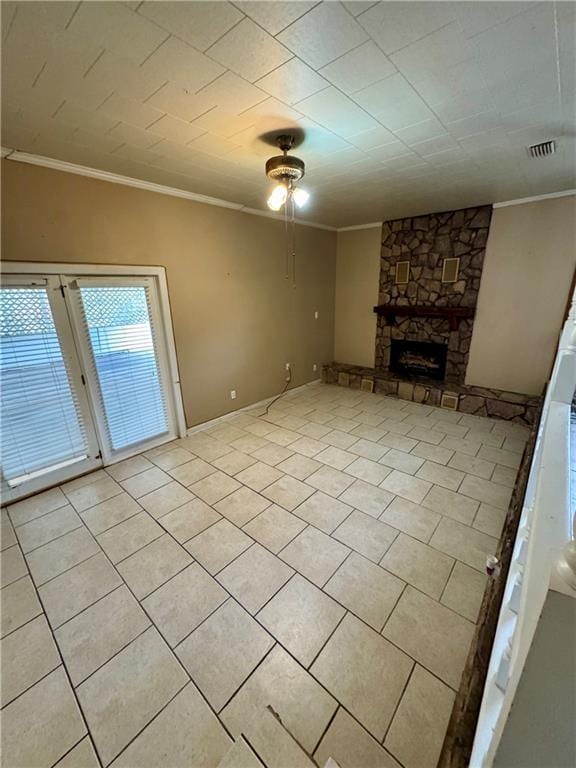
x,y
528,269
237,320
357,281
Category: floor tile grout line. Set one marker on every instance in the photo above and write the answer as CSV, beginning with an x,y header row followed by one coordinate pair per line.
x,y
38,517
49,541
326,729
73,747
86,608
325,643
397,707
26,623
273,553
115,654
275,644
64,667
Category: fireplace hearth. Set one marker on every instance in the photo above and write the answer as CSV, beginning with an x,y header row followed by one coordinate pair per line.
x,y
418,359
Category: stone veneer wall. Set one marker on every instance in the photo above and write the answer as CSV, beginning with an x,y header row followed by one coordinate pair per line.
x,y
426,241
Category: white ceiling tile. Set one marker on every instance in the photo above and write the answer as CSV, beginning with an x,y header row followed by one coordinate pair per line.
x,y
232,93
466,79
199,24
249,51
129,111
524,43
96,141
123,76
116,28
170,149
63,74
130,134
179,102
136,154
403,162
394,103
433,146
374,137
176,130
356,7
540,113
495,137
319,141
394,25
222,122
468,126
439,50
336,112
427,129
478,17
213,145
272,107
87,119
359,68
463,107
292,82
520,91
38,21
275,16
180,63
323,34
21,64
389,151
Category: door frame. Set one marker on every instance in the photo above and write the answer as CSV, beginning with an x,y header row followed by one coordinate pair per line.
x,y
117,270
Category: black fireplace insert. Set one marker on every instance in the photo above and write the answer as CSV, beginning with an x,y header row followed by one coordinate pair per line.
x,y
418,358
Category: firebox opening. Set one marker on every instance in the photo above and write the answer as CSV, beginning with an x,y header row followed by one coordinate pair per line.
x,y
418,359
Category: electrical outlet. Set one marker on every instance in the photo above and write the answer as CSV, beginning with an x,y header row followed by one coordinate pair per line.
x,y
314,367
316,314
232,394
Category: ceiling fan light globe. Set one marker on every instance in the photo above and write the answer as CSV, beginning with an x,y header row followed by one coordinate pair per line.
x,y
300,196
277,197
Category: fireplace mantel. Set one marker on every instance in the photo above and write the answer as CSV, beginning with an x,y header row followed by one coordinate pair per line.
x,y
453,314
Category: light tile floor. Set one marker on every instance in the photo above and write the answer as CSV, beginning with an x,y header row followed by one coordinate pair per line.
x,y
325,559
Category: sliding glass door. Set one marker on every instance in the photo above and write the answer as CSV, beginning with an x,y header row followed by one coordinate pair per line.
x,y
46,429
85,376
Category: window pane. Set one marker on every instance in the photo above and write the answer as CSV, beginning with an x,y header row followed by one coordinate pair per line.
x,y
41,423
124,354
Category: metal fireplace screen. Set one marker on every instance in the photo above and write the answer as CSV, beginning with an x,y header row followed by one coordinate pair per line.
x,y
418,358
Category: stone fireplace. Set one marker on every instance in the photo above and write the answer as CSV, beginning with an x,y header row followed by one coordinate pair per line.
x,y
430,271
440,257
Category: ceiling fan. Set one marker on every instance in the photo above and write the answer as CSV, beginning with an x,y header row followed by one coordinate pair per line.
x,y
286,171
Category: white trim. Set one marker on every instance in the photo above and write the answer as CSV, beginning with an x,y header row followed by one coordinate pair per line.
x,y
536,198
373,225
63,268
148,186
225,416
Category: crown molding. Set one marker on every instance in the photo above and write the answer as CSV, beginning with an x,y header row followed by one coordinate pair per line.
x,y
148,186
536,198
354,227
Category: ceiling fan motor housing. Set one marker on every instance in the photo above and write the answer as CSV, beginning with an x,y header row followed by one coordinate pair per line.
x,y
285,167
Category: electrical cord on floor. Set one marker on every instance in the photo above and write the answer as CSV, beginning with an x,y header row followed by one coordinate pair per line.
x,y
275,400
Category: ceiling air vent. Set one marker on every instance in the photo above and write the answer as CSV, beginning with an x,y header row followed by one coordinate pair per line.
x,y
543,149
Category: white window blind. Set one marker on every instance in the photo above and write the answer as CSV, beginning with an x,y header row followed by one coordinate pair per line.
x,y
41,420
123,344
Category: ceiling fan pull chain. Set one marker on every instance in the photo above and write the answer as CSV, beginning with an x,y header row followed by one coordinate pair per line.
x,y
286,245
293,211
